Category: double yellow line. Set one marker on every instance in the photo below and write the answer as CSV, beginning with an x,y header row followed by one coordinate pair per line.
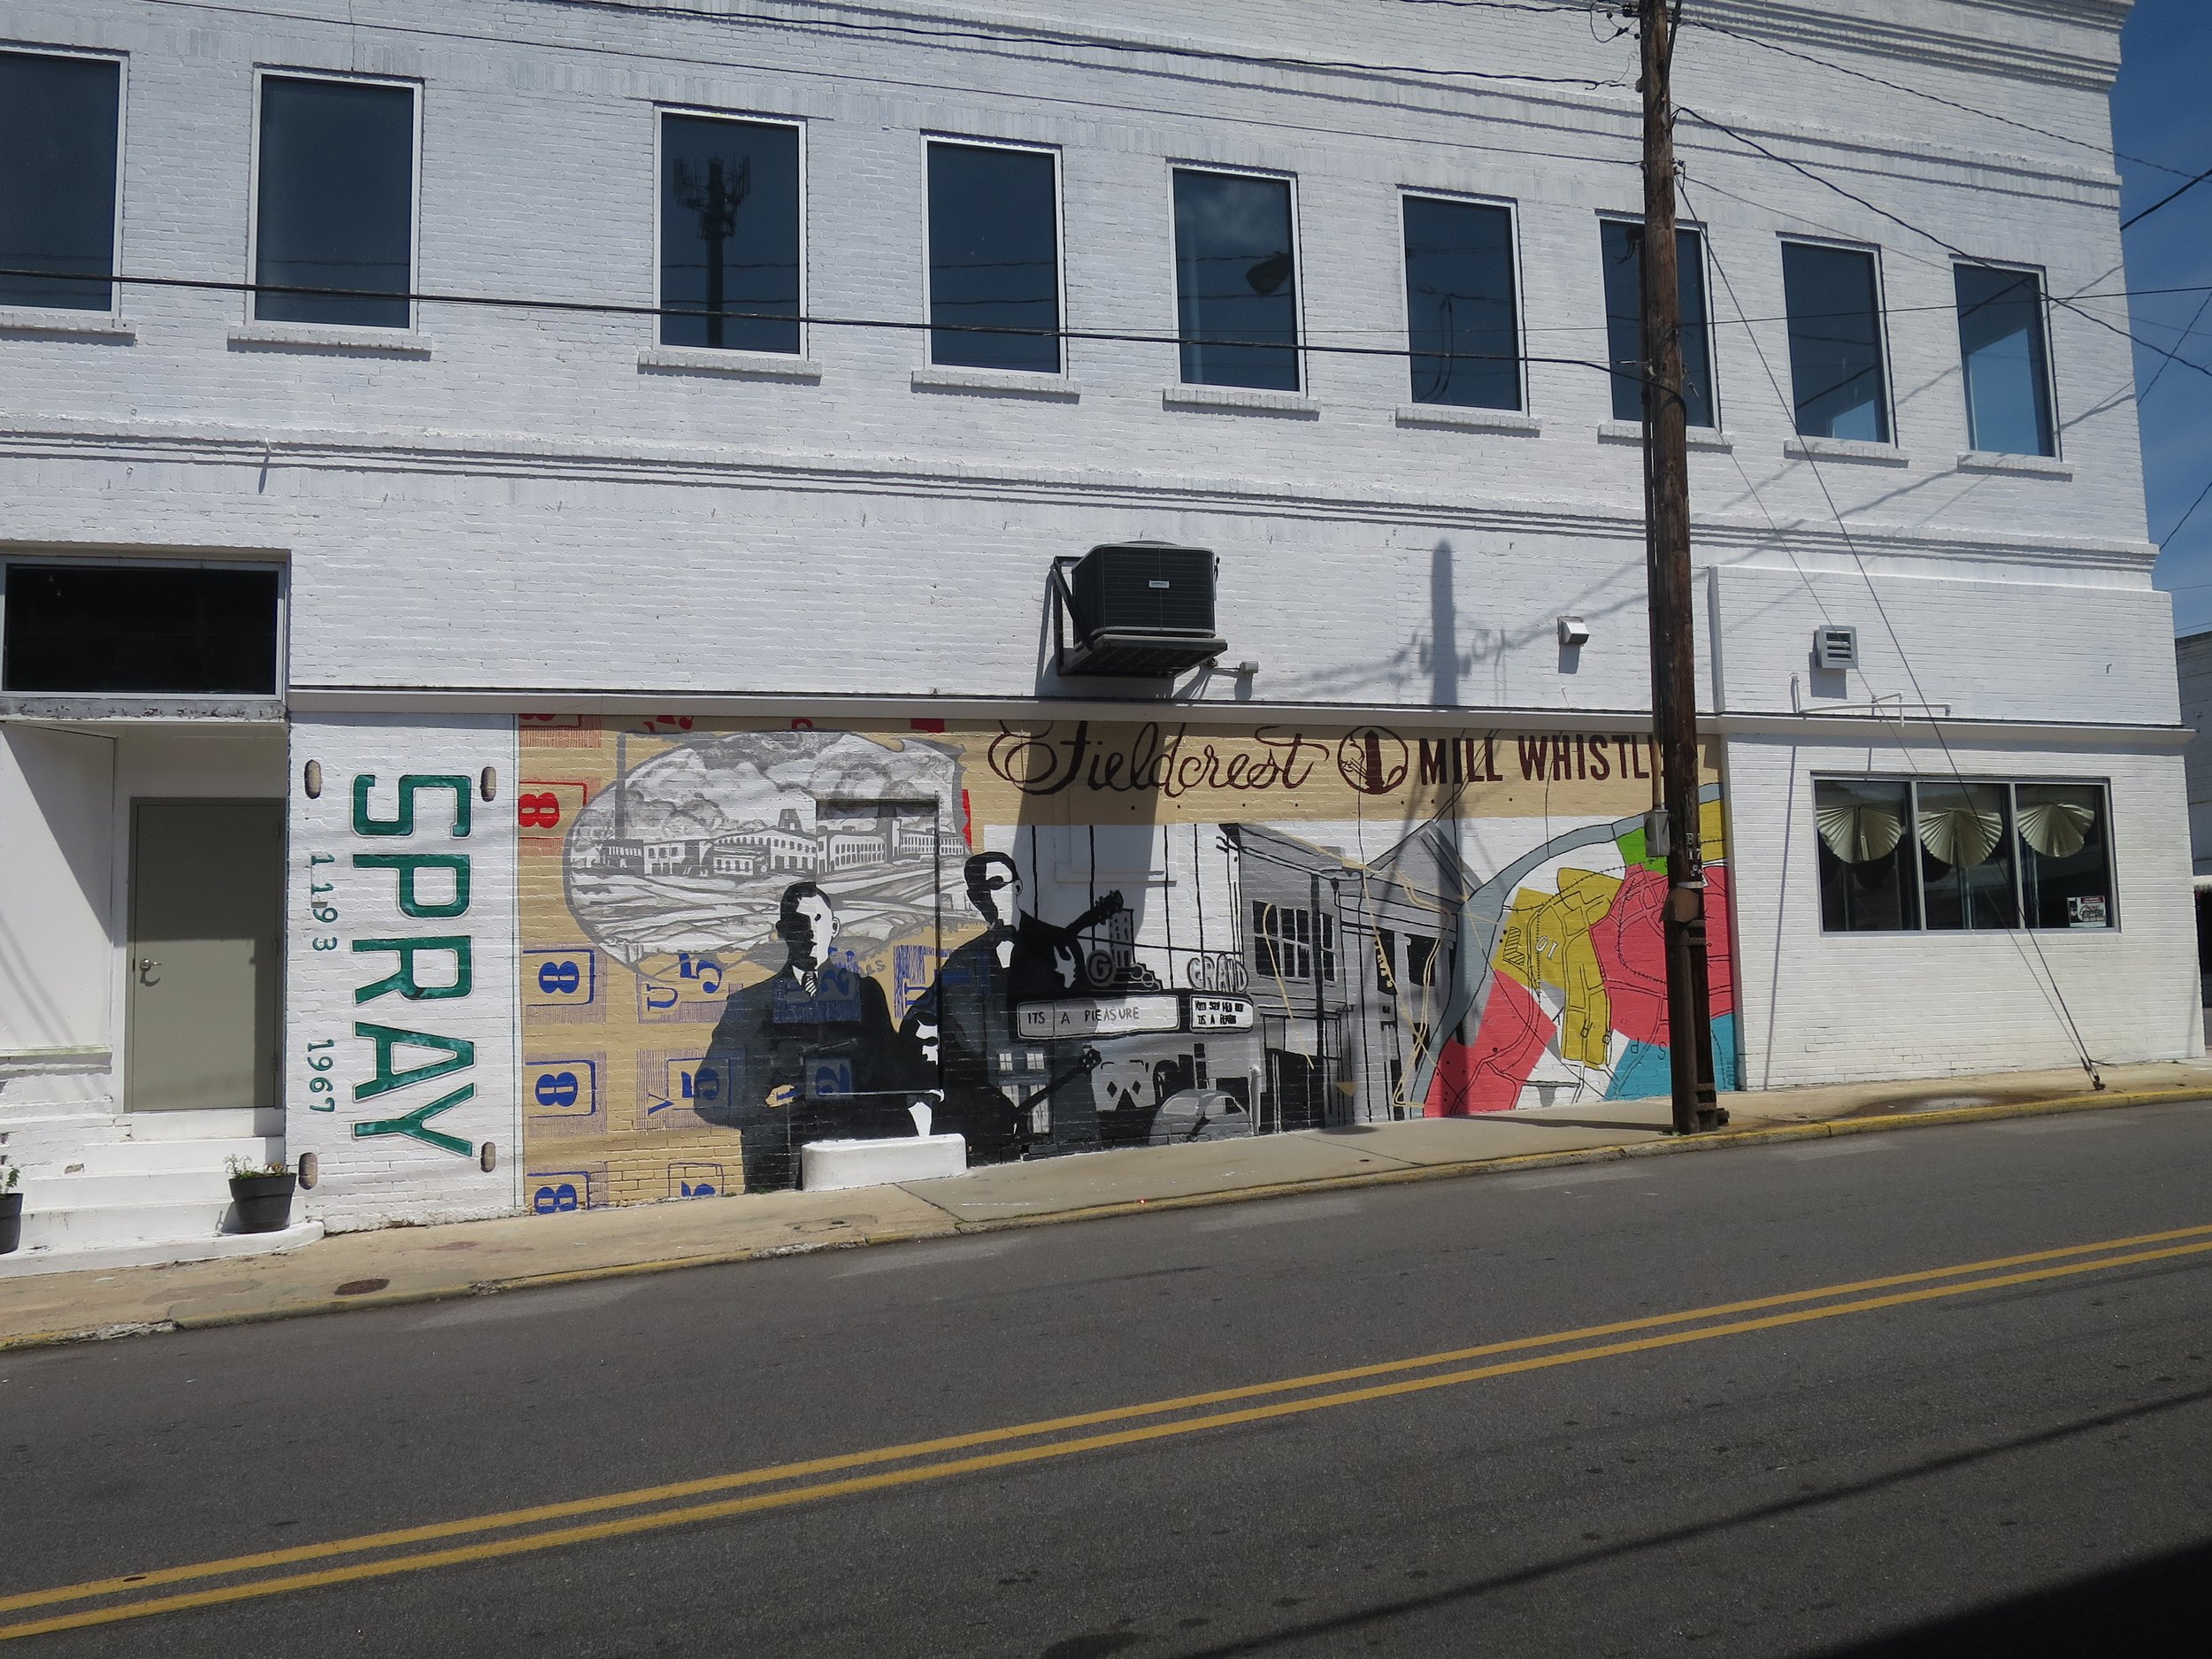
x,y
387,1553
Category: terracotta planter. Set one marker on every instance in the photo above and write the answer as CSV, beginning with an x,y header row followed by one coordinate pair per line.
x,y
264,1203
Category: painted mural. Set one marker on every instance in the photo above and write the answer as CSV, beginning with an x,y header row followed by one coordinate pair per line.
x,y
738,938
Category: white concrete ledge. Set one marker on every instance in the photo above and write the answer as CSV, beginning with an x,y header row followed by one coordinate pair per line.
x,y
998,383
80,1062
737,365
1459,417
1633,432
1241,400
829,1166
61,321
1846,450
2028,466
321,337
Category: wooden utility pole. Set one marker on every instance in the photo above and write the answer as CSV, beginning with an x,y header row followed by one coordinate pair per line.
x,y
1667,564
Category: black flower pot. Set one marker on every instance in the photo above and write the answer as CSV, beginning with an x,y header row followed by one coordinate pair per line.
x,y
264,1203
11,1221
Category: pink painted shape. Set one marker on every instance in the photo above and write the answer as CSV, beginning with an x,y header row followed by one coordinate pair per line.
x,y
1488,1076
1632,952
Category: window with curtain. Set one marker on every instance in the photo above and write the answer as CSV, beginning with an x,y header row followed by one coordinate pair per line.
x,y
1961,855
1835,325
335,215
58,157
2002,354
729,217
1236,280
1621,244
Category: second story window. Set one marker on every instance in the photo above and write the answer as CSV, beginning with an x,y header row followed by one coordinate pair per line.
x,y
1622,244
729,234
335,207
1463,314
994,258
2008,370
1235,280
57,150
1835,321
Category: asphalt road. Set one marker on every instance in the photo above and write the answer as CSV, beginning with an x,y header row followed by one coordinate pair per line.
x,y
2023,1468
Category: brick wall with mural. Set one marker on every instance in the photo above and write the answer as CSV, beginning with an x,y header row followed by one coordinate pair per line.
x,y
739,936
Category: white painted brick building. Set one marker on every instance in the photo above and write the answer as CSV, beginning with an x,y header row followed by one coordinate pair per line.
x,y
525,504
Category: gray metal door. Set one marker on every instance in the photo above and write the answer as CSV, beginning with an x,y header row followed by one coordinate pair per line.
x,y
207,903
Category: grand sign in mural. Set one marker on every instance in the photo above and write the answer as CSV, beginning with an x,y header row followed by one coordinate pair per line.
x,y
737,938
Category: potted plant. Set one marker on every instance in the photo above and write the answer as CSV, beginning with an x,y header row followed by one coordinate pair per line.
x,y
11,1208
261,1195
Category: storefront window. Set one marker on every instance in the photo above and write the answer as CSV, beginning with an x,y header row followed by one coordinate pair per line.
x,y
1866,876
1961,856
2065,856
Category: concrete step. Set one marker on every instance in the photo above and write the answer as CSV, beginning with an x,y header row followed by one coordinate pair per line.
x,y
50,1259
197,1184
162,1157
94,1226
238,1124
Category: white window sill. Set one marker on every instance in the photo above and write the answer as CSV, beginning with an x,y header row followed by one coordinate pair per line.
x,y
23,319
739,365
1846,450
1463,419
2031,466
1633,432
1248,401
378,342
998,383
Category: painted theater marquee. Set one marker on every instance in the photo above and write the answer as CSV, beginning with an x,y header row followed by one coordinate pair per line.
x,y
735,938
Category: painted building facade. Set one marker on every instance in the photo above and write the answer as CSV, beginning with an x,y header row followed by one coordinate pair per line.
x,y
665,760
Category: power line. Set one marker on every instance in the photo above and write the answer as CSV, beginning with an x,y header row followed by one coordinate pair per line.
x,y
1850,542
1897,86
1825,182
2184,518
2138,219
616,308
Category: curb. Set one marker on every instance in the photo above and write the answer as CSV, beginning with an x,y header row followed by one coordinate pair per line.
x,y
1718,1141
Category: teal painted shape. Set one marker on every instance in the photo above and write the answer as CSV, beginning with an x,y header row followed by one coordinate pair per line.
x,y
1644,1070
1641,1073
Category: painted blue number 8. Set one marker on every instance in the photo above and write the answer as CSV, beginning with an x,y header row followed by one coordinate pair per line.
x,y
551,1200
556,1089
560,977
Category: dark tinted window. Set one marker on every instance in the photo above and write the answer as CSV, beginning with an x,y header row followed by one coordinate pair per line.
x,y
1235,282
1966,850
1460,311
1622,249
1835,343
336,209
2001,347
994,258
109,628
729,234
1867,880
57,180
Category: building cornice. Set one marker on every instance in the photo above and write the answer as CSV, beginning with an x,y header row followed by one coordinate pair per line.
x,y
714,466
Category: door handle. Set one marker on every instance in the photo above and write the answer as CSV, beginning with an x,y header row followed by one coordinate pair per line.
x,y
146,966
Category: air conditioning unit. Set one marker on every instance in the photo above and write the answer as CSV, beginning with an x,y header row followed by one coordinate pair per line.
x,y
1136,609
1835,647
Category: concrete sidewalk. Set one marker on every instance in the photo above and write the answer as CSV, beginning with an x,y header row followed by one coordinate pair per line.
x,y
404,1264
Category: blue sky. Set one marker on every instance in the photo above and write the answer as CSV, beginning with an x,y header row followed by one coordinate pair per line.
x,y
2159,114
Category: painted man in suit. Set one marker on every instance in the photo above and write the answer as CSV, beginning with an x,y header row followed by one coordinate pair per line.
x,y
808,1054
965,1022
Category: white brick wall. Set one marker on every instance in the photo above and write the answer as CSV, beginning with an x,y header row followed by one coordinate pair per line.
x,y
526,510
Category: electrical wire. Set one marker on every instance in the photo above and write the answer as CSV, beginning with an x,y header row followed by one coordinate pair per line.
x,y
1932,98
2053,993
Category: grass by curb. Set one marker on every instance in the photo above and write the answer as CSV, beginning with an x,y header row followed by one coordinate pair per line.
x,y
1717,1142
